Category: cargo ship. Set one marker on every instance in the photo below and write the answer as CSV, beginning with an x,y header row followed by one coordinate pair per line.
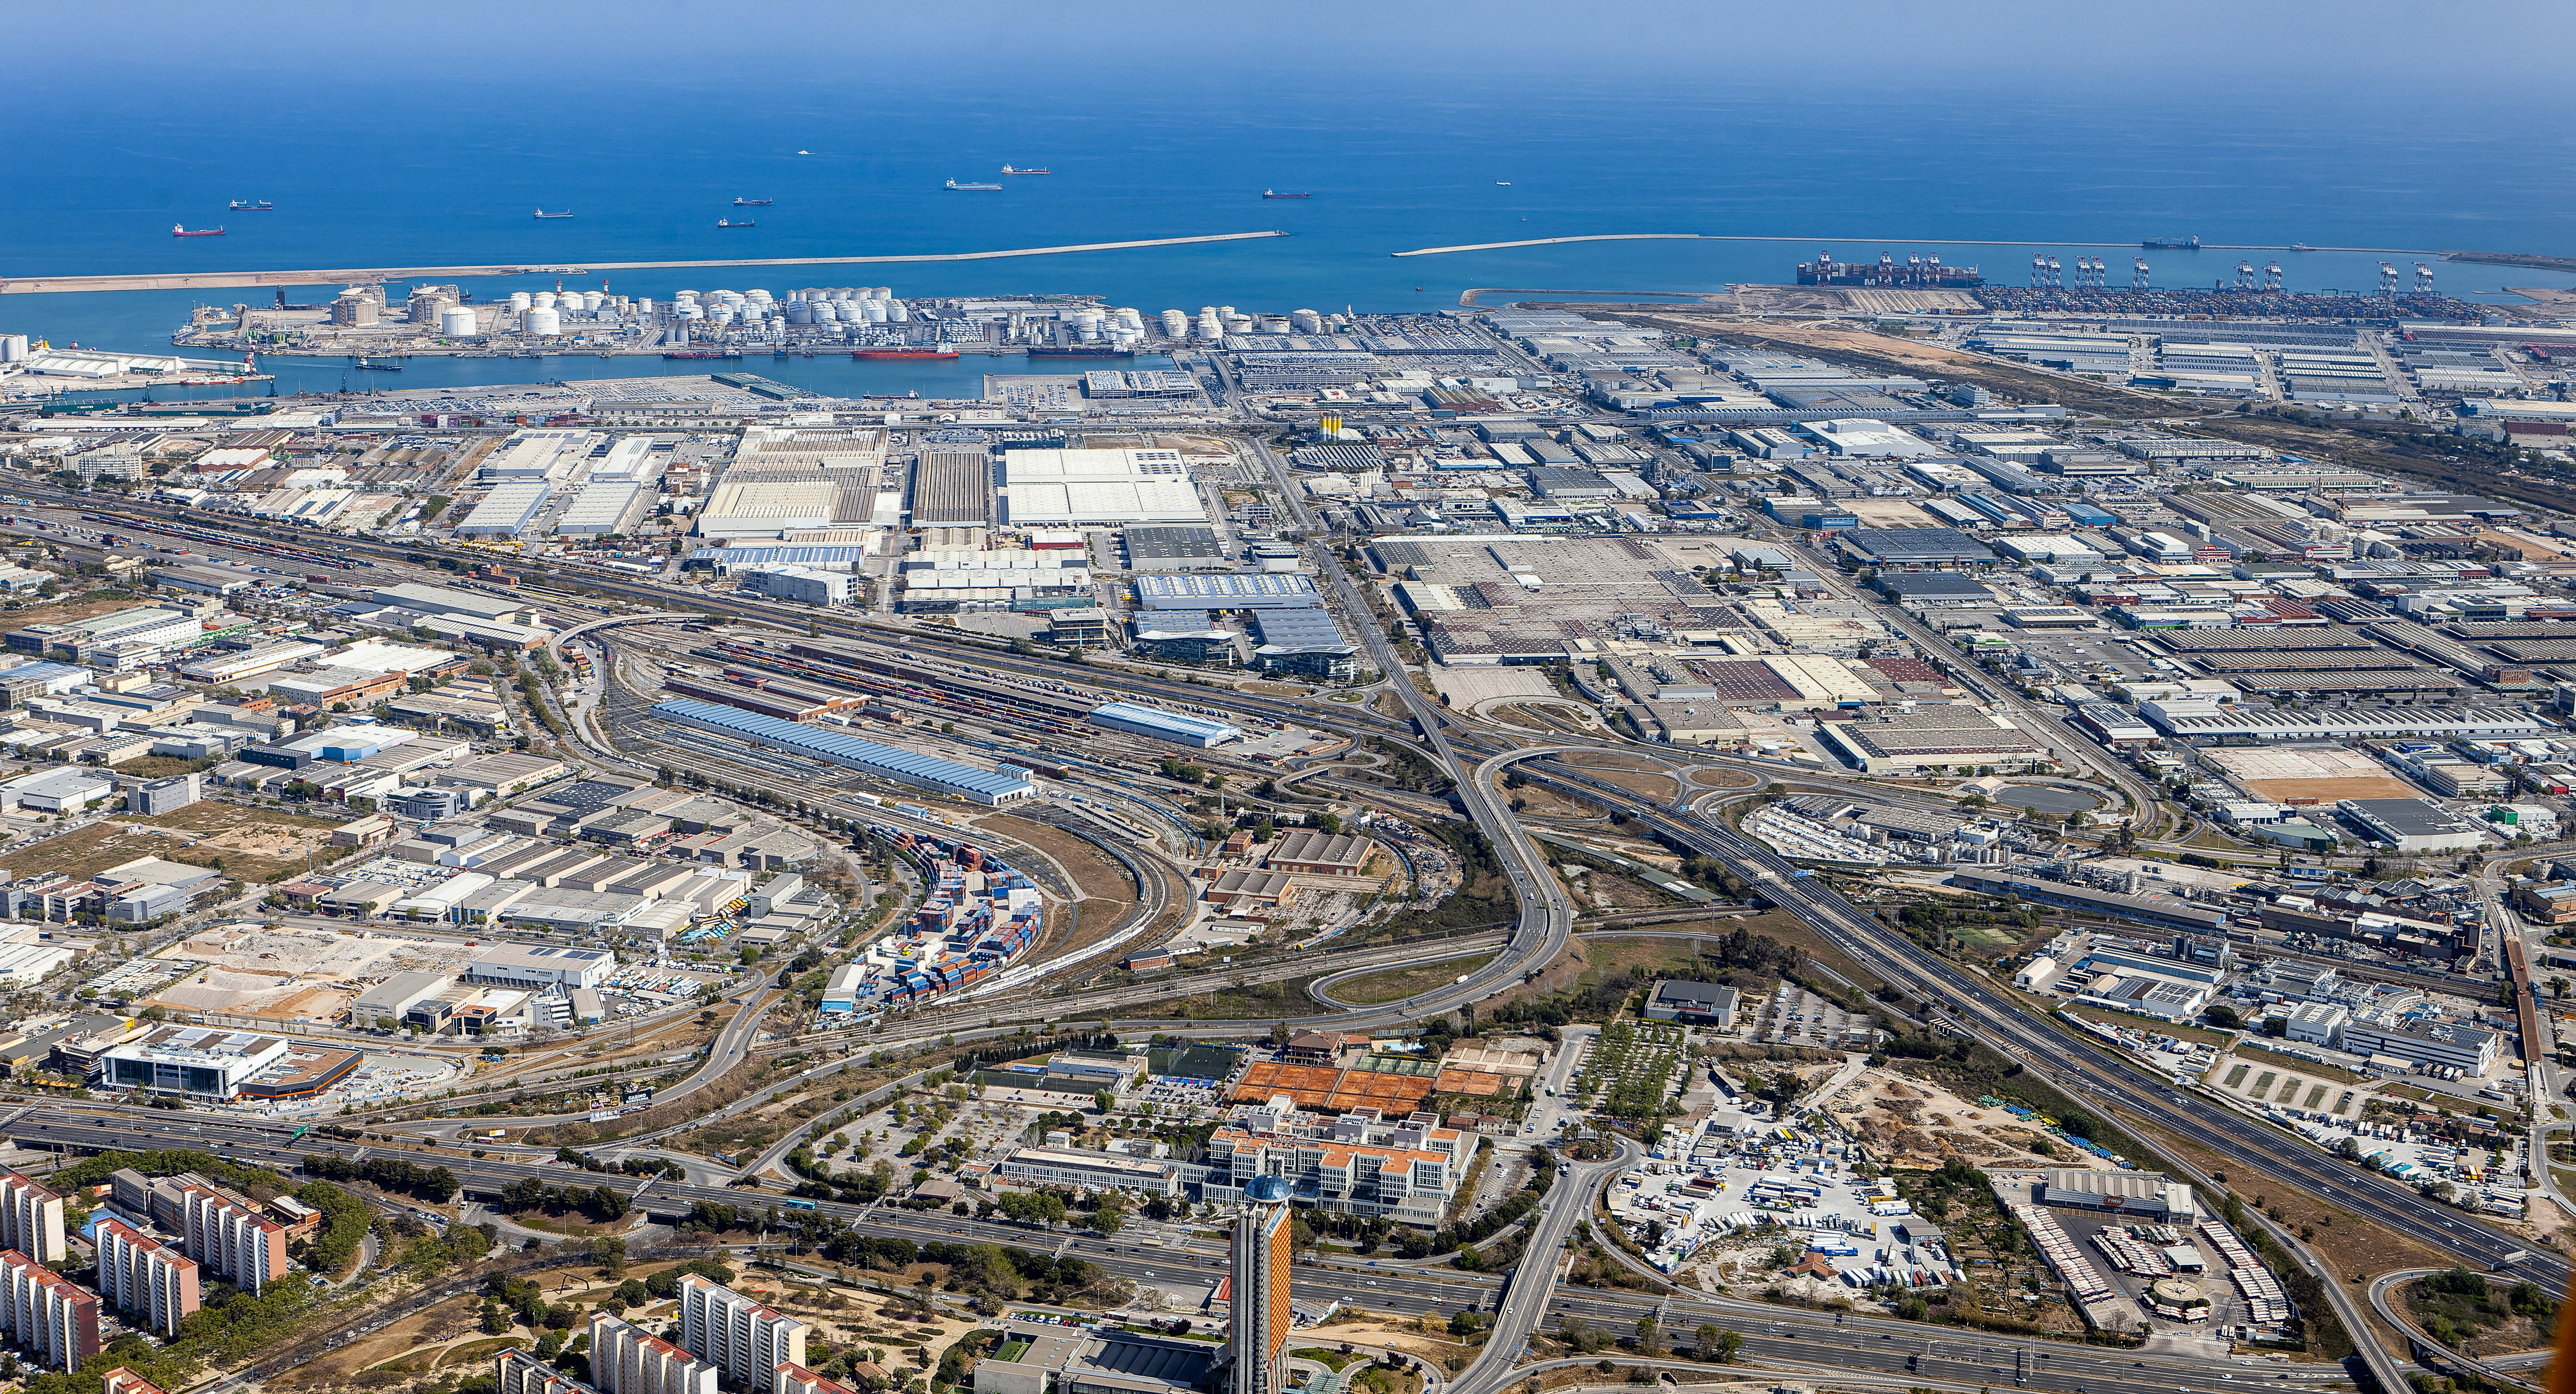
x,y
753,202
2173,244
182,230
246,206
1080,351
1274,193
904,353
965,187
728,222
544,214
1006,169
366,367
701,353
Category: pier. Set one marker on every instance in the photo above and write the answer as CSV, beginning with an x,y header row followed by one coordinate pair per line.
x,y
2515,259
199,280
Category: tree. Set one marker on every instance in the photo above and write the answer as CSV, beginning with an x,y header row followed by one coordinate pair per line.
x,y
2223,1017
1646,1332
1104,1101
1707,1338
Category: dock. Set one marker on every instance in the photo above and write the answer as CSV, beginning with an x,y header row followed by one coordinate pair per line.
x,y
201,280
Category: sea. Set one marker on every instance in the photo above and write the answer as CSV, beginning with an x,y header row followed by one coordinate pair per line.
x,y
440,169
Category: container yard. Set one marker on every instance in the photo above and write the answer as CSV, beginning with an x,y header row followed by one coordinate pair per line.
x,y
978,918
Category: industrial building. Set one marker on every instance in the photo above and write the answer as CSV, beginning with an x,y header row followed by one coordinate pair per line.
x,y
1913,549
1137,719
986,787
1061,488
507,510
2410,825
541,966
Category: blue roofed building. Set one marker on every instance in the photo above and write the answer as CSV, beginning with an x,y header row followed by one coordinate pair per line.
x,y
1140,720
988,787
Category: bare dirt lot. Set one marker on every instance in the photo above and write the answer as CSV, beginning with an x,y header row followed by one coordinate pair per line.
x,y
245,843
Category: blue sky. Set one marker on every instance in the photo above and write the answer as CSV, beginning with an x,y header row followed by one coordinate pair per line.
x,y
2483,51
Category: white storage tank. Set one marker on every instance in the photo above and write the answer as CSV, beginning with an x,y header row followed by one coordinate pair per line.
x,y
1127,317
13,348
1175,325
545,300
895,312
519,301
1273,324
824,311
800,312
1306,321
872,311
542,322
456,324
591,299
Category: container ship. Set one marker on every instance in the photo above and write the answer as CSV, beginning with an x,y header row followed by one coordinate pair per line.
x,y
1914,271
183,230
962,188
1274,193
1006,169
753,202
247,206
544,214
2173,244
903,353
1080,351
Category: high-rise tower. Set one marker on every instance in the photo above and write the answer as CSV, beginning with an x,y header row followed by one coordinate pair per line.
x,y
1261,1254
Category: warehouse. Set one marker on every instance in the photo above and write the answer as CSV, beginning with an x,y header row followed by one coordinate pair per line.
x,y
1228,591
1913,549
1935,737
1174,549
2192,719
1059,488
2410,825
1142,720
507,510
952,488
986,787
532,966
603,506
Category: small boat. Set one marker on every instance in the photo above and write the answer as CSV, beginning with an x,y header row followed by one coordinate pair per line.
x,y
1274,193
2301,247
740,202
544,214
804,152
1006,169
246,206
728,222
1502,183
965,187
902,353
183,230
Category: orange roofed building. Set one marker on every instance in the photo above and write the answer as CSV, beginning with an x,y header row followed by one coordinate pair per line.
x,y
1405,1168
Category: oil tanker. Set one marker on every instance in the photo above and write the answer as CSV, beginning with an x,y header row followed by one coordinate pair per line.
x,y
183,230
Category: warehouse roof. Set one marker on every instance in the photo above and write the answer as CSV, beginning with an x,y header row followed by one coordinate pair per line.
x,y
909,766
1194,727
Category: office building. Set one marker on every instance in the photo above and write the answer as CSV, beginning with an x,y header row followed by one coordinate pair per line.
x,y
625,1360
152,1283
164,795
1259,1330
31,1219
1697,1003
47,1317
742,1338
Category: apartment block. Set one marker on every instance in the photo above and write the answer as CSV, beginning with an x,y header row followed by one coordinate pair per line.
x,y
46,1316
741,1337
625,1360
796,1379
31,1219
232,1240
124,1381
522,1373
152,1283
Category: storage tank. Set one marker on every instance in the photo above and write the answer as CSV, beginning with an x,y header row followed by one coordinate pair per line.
x,y
1306,321
1274,324
519,301
457,323
591,300
823,311
1175,325
1128,317
800,312
545,300
872,311
13,348
895,312
541,322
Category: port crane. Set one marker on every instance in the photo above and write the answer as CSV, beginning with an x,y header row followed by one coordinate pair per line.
x,y
2387,280
2272,276
2138,277
2244,275
2423,279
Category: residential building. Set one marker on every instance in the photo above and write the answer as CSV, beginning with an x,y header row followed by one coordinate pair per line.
x,y
48,1317
1261,1318
31,1219
743,1338
154,1284
625,1360
522,1373
792,1378
122,1380
234,1241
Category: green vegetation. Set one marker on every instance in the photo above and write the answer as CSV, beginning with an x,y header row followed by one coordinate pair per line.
x,y
2456,1305
1396,984
1631,1069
